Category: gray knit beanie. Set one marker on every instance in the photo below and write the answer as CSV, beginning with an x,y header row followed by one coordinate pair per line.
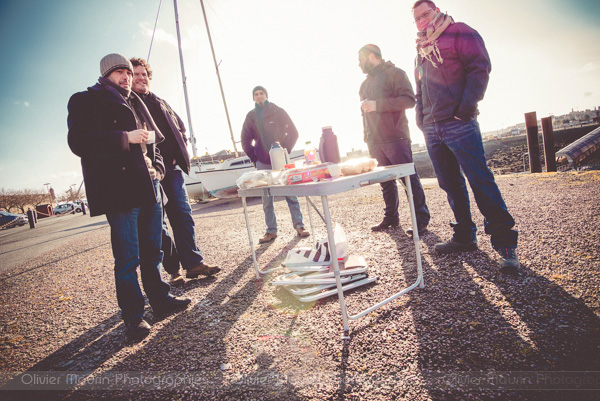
x,y
113,62
262,88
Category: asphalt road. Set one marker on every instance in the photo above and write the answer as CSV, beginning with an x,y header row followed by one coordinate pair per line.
x,y
19,244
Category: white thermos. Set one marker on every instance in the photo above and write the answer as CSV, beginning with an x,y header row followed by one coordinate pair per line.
x,y
279,156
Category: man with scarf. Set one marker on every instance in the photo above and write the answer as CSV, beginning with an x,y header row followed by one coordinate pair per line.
x,y
452,71
177,162
265,124
109,130
385,95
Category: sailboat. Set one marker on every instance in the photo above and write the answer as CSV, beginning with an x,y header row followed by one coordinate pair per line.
x,y
217,179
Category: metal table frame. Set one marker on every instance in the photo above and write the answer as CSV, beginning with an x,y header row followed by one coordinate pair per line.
x,y
331,187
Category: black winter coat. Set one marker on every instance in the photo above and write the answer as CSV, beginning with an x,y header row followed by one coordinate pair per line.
x,y
389,86
176,132
114,171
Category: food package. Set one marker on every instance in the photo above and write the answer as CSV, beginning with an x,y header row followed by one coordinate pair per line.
x,y
311,173
357,166
253,179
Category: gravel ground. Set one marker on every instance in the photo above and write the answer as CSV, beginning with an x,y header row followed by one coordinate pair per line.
x,y
243,339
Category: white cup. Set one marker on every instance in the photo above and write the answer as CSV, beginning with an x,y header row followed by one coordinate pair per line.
x,y
151,137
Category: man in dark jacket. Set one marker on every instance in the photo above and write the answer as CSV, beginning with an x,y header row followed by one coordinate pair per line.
x,y
177,162
385,95
121,169
452,71
265,124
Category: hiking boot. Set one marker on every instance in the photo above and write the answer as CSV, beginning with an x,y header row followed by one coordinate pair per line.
x,y
509,262
267,238
385,224
202,269
302,232
453,246
137,328
176,279
421,229
170,305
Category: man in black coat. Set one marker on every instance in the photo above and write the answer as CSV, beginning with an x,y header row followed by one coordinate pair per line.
x,y
121,169
385,95
177,162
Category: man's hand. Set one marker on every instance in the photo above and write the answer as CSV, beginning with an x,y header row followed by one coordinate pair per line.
x,y
137,136
369,106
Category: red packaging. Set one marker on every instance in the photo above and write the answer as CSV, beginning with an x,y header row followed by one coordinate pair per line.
x,y
313,174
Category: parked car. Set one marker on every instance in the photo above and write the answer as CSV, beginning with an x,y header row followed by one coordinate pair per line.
x,y
64,208
9,220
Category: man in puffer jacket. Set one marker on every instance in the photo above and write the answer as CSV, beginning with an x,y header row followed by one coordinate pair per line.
x,y
452,71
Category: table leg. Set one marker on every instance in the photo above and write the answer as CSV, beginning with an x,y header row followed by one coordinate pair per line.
x,y
335,265
310,219
413,214
250,238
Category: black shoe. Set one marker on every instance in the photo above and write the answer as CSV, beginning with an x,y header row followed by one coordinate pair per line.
x,y
509,263
421,229
171,305
385,224
453,246
137,328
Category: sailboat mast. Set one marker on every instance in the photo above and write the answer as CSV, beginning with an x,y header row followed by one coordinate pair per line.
x,y
212,49
185,92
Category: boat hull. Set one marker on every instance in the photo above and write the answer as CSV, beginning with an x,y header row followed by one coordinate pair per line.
x,y
221,181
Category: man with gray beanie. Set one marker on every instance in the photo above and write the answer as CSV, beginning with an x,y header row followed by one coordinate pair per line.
x,y
265,124
109,129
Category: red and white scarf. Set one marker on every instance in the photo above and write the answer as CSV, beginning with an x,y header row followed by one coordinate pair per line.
x,y
427,40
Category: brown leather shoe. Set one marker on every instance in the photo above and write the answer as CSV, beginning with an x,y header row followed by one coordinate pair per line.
x,y
176,279
202,269
302,232
385,224
267,238
422,230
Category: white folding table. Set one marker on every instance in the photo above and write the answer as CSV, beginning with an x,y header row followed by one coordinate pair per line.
x,y
335,186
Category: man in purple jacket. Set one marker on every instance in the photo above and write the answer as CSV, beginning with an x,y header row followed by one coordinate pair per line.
x,y
452,71
265,124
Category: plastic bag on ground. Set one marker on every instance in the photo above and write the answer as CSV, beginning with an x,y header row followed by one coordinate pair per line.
x,y
320,254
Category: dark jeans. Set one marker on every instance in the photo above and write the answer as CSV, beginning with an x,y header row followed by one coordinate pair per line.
x,y
136,240
388,154
179,212
454,145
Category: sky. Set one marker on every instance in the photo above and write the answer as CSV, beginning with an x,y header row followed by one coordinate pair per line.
x,y
545,58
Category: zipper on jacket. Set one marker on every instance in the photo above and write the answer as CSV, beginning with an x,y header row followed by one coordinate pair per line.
x,y
428,95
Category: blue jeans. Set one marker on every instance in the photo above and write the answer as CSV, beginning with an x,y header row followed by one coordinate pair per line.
x,y
269,208
179,213
454,145
136,240
399,152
